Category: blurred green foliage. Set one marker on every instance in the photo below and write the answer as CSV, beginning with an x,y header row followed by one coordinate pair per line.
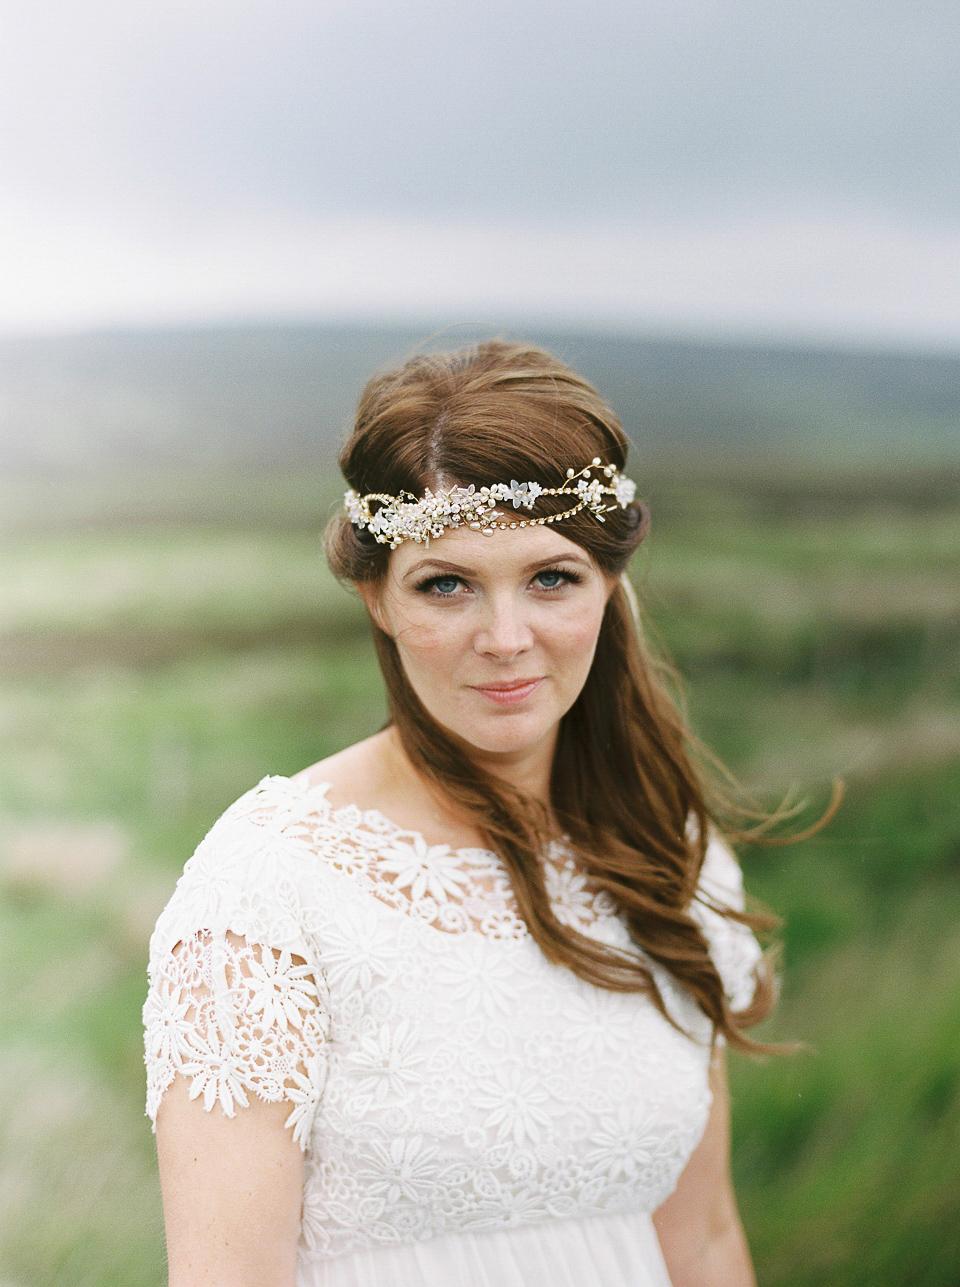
x,y
164,644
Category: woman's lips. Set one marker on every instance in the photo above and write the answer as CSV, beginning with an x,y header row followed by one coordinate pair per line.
x,y
509,694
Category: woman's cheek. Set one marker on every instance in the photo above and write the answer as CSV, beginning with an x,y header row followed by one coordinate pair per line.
x,y
577,635
426,643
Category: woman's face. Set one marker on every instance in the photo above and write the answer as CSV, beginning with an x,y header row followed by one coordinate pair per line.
x,y
496,633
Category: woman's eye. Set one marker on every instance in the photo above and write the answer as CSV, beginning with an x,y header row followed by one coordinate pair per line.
x,y
441,587
551,578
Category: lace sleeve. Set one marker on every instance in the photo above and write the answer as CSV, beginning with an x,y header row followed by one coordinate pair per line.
x,y
733,947
236,1018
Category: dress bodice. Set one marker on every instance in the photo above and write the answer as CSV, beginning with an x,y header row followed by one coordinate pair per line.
x,y
442,1075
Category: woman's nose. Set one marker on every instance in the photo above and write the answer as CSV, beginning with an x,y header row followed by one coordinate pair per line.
x,y
504,634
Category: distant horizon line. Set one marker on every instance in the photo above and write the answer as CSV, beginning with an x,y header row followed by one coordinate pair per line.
x,y
774,339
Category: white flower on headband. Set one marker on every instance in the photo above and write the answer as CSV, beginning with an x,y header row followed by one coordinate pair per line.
x,y
517,493
625,489
405,518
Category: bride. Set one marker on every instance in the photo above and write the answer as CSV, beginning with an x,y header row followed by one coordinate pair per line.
x,y
449,1008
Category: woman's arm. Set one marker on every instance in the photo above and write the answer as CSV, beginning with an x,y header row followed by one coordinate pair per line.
x,y
232,1192
698,1225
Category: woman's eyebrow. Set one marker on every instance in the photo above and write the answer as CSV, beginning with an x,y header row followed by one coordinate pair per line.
x,y
555,559
440,565
458,569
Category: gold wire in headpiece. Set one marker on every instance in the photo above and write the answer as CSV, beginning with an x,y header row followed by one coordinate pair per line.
x,y
407,518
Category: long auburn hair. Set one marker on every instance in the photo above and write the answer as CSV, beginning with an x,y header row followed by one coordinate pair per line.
x,y
624,786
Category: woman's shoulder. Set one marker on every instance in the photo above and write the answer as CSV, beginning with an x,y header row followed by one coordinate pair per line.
x,y
279,822
375,780
733,947
721,878
267,859
240,877
353,776
259,829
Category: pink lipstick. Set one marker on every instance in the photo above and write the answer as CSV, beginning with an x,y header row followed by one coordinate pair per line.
x,y
511,693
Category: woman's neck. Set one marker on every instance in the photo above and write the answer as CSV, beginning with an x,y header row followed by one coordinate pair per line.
x,y
527,771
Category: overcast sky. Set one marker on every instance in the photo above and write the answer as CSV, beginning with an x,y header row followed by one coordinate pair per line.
x,y
759,167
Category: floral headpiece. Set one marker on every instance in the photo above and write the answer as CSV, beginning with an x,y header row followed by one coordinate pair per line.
x,y
405,518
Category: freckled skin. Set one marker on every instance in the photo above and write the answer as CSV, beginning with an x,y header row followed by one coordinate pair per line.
x,y
472,611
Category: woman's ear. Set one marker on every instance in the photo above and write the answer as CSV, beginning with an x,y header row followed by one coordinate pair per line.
x,y
370,594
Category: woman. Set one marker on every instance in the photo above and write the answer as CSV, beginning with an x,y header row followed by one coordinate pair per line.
x,y
449,1008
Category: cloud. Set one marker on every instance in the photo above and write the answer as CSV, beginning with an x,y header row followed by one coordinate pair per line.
x,y
168,158
796,275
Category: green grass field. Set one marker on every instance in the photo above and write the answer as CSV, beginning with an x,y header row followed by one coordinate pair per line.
x,y
165,642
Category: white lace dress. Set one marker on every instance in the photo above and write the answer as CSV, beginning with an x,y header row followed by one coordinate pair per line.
x,y
470,1115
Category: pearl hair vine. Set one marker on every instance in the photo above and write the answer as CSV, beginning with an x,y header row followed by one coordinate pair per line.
x,y
407,518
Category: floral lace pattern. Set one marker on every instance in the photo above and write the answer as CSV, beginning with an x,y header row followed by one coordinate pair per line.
x,y
442,1075
231,1017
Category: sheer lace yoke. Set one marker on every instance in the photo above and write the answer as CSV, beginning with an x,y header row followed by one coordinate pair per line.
x,y
465,890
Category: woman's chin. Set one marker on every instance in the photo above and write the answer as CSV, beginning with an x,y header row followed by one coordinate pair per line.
x,y
515,734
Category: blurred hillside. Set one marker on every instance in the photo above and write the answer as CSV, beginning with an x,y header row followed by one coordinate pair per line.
x,y
169,634
282,396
